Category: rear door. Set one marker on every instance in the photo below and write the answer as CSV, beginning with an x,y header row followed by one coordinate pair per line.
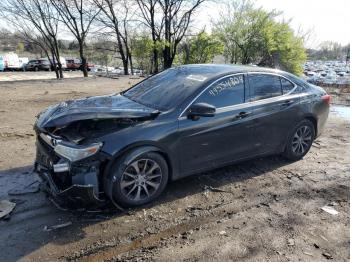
x,y
276,107
212,141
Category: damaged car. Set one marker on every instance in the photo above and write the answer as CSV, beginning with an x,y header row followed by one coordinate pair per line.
x,y
126,147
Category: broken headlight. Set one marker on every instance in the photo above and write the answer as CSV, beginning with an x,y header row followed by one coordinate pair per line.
x,y
77,153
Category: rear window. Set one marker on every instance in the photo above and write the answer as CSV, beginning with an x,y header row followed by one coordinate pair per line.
x,y
287,86
264,86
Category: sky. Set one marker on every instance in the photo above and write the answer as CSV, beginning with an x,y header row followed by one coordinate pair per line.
x,y
328,20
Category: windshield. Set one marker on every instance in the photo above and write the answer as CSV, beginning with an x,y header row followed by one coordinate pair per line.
x,y
169,88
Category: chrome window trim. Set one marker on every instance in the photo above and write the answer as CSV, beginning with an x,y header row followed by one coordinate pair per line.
x,y
227,108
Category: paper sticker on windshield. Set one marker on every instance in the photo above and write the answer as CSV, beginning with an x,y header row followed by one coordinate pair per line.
x,y
229,83
197,78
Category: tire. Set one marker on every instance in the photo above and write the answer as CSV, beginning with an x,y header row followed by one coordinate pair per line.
x,y
300,140
130,188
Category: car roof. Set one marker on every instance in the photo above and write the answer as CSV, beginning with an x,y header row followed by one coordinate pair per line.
x,y
227,68
212,71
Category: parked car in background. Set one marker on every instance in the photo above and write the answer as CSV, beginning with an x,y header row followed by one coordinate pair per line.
x,y
63,64
341,73
138,71
41,64
185,120
2,66
89,66
11,61
73,64
99,69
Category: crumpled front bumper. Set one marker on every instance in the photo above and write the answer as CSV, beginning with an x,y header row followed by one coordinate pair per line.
x,y
76,195
76,187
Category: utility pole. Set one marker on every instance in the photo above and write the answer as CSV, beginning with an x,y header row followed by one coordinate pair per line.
x,y
348,57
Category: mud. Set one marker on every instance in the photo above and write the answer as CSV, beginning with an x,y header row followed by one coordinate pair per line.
x,y
267,209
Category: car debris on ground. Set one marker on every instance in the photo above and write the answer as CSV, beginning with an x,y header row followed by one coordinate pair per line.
x,y
330,210
6,208
54,227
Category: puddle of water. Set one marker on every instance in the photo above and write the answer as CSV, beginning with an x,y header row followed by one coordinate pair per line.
x,y
342,111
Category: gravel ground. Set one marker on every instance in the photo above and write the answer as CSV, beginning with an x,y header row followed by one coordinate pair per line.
x,y
262,210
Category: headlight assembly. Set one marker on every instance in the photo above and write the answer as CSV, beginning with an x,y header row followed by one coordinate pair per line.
x,y
77,153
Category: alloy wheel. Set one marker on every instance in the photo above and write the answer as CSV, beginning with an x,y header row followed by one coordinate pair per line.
x,y
141,179
302,140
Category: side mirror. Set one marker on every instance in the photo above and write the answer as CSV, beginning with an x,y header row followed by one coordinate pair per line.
x,y
201,109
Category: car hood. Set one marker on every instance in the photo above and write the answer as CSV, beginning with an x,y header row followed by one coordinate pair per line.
x,y
98,107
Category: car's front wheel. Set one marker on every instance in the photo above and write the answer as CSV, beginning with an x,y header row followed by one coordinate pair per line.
x,y
300,140
140,181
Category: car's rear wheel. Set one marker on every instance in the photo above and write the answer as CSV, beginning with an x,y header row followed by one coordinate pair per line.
x,y
300,141
140,181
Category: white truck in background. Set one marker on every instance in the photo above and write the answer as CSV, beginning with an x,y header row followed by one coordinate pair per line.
x,y
22,63
13,62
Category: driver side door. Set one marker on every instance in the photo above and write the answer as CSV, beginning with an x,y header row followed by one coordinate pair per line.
x,y
208,142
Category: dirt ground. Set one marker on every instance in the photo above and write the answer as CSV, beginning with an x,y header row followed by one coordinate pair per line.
x,y
262,210
23,76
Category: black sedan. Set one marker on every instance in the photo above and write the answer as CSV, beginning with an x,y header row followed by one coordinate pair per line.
x,y
126,147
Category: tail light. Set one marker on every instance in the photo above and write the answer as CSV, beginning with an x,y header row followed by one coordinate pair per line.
x,y
326,99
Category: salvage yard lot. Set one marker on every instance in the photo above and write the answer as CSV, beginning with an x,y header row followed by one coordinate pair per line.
x,y
262,210
23,76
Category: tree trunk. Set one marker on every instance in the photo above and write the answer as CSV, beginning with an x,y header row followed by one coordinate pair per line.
x,y
125,66
166,57
121,50
60,71
58,58
52,63
155,68
130,61
155,60
83,59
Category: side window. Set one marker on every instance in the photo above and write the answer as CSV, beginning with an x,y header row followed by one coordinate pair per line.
x,y
226,92
264,86
287,86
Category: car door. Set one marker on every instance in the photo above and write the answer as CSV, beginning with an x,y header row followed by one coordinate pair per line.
x,y
275,109
211,141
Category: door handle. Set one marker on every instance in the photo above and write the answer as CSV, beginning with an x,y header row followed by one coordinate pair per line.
x,y
287,103
242,115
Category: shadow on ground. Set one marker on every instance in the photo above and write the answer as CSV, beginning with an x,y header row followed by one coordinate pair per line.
x,y
24,232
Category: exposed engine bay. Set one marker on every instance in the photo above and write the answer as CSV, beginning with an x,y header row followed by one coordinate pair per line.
x,y
78,132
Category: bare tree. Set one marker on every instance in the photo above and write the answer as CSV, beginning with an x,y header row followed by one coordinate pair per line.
x,y
177,17
149,15
168,25
25,15
116,15
78,16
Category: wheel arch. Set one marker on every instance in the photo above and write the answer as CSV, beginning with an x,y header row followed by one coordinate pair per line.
x,y
313,120
134,151
309,117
